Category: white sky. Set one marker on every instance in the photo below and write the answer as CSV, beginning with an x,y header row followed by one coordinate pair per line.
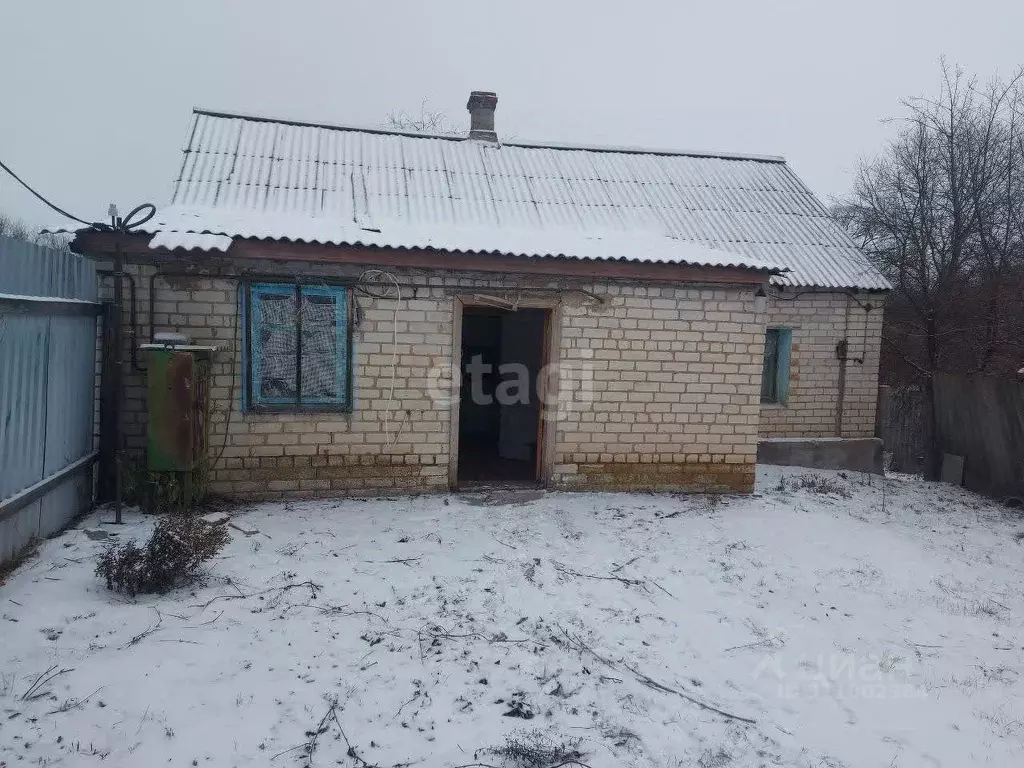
x,y
97,94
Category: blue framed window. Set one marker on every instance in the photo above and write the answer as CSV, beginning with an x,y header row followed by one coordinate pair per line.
x,y
775,373
298,348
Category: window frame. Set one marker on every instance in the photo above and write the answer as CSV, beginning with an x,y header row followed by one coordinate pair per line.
x,y
783,364
270,284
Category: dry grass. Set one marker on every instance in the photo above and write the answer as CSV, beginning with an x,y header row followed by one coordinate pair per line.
x,y
820,484
25,554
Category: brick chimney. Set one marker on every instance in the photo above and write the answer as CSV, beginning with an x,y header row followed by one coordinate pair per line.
x,y
481,108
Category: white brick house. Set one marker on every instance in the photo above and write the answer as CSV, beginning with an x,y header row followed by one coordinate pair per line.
x,y
670,308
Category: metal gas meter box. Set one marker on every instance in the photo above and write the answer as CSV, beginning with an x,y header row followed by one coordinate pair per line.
x,y
178,406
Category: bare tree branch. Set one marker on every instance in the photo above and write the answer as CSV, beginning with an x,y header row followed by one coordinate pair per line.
x,y
19,230
429,121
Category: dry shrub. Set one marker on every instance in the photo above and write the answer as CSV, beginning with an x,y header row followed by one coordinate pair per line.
x,y
179,545
714,758
815,484
533,749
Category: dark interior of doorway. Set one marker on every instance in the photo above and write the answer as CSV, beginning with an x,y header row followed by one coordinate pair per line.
x,y
499,410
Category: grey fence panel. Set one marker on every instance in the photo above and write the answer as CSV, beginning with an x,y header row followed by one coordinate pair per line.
x,y
22,342
70,392
33,270
47,390
982,419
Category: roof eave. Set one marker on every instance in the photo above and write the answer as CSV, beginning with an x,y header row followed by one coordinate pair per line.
x,y
136,247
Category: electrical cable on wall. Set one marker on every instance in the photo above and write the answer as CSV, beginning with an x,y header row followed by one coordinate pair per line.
x,y
236,353
866,306
393,289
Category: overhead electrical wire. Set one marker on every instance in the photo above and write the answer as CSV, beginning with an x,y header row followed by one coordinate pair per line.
x,y
120,224
46,202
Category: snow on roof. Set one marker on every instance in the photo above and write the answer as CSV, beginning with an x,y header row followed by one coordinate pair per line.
x,y
176,229
182,238
245,176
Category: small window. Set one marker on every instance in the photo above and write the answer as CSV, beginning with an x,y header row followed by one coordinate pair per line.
x,y
298,348
775,374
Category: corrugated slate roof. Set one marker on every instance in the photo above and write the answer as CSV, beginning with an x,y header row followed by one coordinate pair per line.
x,y
259,177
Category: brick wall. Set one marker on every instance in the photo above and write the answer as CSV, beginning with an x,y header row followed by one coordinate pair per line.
x,y
819,320
671,398
676,380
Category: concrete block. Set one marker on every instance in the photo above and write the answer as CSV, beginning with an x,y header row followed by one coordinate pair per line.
x,y
858,454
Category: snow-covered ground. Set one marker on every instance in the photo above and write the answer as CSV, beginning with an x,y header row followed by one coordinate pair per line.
x,y
854,625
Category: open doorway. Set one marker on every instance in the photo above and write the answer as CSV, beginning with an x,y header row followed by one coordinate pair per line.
x,y
500,408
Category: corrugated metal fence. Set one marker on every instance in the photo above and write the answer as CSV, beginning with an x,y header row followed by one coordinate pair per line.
x,y
48,316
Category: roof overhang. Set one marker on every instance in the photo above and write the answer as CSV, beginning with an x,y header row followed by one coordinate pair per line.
x,y
141,248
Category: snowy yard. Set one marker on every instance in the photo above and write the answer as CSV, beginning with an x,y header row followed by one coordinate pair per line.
x,y
853,626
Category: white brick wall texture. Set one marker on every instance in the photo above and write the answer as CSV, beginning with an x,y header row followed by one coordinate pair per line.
x,y
672,403
818,321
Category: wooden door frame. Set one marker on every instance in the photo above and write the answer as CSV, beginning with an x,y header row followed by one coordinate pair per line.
x,y
552,307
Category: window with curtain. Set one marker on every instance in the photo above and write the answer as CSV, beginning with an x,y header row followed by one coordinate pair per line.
x,y
298,347
775,373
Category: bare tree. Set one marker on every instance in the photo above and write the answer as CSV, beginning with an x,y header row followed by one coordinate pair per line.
x,y
19,230
429,121
11,227
940,212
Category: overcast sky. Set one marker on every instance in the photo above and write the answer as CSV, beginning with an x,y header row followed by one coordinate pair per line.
x,y
97,95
